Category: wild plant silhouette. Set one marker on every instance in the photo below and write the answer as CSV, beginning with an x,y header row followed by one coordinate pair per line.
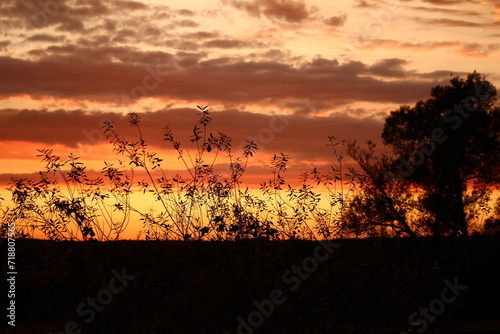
x,y
65,204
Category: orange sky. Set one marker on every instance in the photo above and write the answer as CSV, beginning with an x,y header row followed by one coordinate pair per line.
x,y
287,73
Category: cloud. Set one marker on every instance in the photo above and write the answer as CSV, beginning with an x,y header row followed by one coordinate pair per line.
x,y
276,55
446,2
189,59
4,44
33,14
86,18
94,50
389,68
448,22
5,178
182,44
468,49
441,75
230,44
447,11
185,24
365,4
45,38
496,9
60,127
336,21
186,12
273,134
133,5
288,10
477,49
202,35
93,76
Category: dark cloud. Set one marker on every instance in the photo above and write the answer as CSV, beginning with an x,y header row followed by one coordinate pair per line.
x,y
133,5
336,21
442,75
447,2
307,107
365,4
5,178
225,43
85,18
231,44
94,76
92,51
57,127
288,10
276,55
202,35
182,44
448,22
45,38
110,24
70,24
469,49
447,11
4,44
186,12
389,68
124,36
185,23
33,14
273,134
480,49
189,59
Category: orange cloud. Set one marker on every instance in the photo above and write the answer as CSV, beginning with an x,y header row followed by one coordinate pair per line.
x,y
468,49
289,10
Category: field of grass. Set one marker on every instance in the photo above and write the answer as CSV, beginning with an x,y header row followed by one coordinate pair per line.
x,y
366,286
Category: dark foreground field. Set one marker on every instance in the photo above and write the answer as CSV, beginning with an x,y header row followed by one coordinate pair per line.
x,y
366,286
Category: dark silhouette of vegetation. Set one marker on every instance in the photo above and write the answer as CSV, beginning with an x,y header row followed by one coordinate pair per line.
x,y
380,208
204,203
465,153
81,209
443,166
492,224
434,178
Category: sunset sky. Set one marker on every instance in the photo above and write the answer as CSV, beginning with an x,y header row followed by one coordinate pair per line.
x,y
288,73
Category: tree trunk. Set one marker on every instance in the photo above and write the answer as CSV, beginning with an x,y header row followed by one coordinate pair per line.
x,y
459,209
437,205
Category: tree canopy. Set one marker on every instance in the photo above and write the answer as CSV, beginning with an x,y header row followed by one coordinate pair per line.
x,y
448,148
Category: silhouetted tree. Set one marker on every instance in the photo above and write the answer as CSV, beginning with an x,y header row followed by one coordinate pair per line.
x,y
492,224
445,144
382,208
